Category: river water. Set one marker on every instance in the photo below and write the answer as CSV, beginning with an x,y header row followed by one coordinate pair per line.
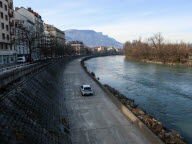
x,y
164,91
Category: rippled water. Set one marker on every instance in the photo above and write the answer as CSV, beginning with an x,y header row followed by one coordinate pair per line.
x,y
163,91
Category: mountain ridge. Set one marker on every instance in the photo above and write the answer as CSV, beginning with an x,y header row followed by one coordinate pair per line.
x,y
92,38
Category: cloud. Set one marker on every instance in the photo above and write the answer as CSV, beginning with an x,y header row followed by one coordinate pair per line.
x,y
124,20
174,29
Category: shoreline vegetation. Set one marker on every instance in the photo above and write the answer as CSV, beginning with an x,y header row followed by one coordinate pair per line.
x,y
167,136
157,50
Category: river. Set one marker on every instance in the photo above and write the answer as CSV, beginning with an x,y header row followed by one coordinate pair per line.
x,y
164,91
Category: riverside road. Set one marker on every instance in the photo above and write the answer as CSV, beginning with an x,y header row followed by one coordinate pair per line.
x,y
95,119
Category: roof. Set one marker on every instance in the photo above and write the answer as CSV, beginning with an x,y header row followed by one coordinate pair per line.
x,y
86,86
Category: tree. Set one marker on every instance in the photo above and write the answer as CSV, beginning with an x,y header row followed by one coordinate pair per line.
x,y
158,50
157,42
32,37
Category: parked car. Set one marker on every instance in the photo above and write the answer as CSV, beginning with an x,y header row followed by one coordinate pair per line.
x,y
21,60
35,59
86,90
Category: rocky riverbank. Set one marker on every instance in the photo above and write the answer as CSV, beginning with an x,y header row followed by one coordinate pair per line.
x,y
184,63
188,63
167,136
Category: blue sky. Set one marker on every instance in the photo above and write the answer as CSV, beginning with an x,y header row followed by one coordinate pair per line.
x,y
121,19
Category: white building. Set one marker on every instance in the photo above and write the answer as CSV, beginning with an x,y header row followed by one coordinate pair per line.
x,y
7,32
21,22
27,19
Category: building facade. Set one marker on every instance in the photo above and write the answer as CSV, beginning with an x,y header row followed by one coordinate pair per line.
x,y
7,32
27,19
78,46
57,38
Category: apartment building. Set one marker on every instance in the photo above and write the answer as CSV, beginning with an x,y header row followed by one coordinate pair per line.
x,y
7,32
55,35
102,49
27,19
78,46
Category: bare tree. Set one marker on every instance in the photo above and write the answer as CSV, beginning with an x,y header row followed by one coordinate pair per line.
x,y
32,37
156,50
157,42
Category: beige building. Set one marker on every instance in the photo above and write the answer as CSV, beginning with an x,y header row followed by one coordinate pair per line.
x,y
7,32
57,33
102,49
58,37
78,46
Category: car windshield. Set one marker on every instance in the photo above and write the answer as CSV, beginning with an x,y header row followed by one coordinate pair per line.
x,y
87,88
20,59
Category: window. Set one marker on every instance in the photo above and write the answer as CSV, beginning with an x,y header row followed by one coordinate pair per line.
x,y
1,15
12,58
3,35
2,25
1,46
7,37
6,7
1,57
7,27
1,4
6,17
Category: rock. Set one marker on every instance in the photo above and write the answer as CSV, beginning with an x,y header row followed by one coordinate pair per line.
x,y
169,137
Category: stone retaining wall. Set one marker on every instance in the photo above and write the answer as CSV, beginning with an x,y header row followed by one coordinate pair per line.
x,y
34,112
12,75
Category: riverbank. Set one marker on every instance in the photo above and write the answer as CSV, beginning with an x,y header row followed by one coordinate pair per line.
x,y
95,119
168,136
187,63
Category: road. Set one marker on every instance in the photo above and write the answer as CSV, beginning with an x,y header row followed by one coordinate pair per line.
x,y
95,119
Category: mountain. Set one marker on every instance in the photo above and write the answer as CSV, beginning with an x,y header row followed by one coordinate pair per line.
x,y
92,38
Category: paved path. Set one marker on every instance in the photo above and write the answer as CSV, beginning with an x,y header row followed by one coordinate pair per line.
x,y
95,120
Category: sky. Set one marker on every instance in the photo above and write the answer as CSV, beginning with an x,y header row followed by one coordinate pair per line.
x,y
124,20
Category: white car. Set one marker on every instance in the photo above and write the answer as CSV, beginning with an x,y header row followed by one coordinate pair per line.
x,y
86,90
21,60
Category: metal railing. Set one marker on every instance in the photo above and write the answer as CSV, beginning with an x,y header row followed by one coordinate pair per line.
x,y
7,68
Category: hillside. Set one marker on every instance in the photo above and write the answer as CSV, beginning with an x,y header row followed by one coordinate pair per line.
x,y
92,38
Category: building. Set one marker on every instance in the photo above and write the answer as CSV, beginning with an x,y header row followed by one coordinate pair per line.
x,y
55,32
78,46
21,23
27,19
57,38
7,32
102,49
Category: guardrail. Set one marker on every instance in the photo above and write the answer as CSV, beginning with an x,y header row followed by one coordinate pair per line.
x,y
13,67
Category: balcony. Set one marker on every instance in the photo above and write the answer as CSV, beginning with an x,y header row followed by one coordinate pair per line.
x,y
10,14
10,5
